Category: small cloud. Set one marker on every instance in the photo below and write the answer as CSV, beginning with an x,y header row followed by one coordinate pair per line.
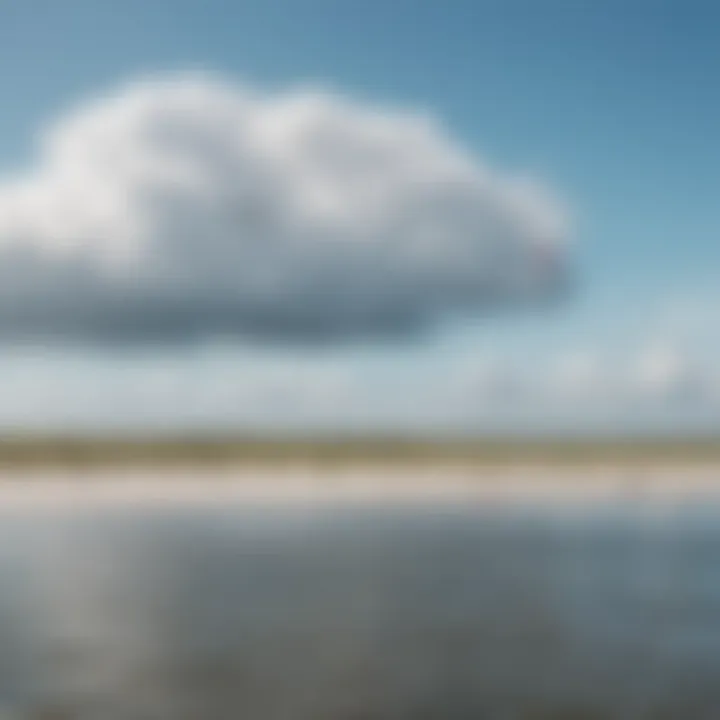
x,y
666,375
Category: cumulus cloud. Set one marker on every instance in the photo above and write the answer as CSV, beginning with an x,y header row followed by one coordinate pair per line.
x,y
189,205
647,378
667,375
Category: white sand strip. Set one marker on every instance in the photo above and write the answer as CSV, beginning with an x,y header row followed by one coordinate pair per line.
x,y
433,483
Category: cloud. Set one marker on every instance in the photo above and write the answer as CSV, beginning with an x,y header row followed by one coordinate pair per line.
x,y
185,206
652,378
664,374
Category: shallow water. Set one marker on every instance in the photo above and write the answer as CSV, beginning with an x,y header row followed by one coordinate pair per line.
x,y
275,611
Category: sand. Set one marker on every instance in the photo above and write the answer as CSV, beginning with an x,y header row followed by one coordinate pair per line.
x,y
434,484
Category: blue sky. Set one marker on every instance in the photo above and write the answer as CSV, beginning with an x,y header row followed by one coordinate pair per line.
x,y
613,105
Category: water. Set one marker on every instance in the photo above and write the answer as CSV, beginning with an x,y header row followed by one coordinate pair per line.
x,y
315,611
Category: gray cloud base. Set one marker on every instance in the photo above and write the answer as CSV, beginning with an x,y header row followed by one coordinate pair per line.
x,y
184,206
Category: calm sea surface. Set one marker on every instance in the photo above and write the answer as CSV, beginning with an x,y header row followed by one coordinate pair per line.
x,y
304,610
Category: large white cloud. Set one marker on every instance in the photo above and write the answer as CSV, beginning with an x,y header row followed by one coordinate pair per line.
x,y
184,205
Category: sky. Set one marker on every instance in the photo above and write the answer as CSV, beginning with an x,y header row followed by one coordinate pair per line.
x,y
311,216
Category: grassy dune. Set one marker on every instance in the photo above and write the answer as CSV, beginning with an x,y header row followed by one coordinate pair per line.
x,y
32,452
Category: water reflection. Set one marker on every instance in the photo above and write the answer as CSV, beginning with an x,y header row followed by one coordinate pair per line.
x,y
318,611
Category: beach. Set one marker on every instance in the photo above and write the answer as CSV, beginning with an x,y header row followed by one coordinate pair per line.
x,y
434,482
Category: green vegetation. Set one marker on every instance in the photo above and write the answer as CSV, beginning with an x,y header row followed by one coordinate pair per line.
x,y
83,452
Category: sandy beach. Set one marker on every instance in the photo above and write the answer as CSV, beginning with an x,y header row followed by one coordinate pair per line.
x,y
655,484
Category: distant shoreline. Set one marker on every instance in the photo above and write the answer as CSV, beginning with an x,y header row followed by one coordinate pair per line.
x,y
88,453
